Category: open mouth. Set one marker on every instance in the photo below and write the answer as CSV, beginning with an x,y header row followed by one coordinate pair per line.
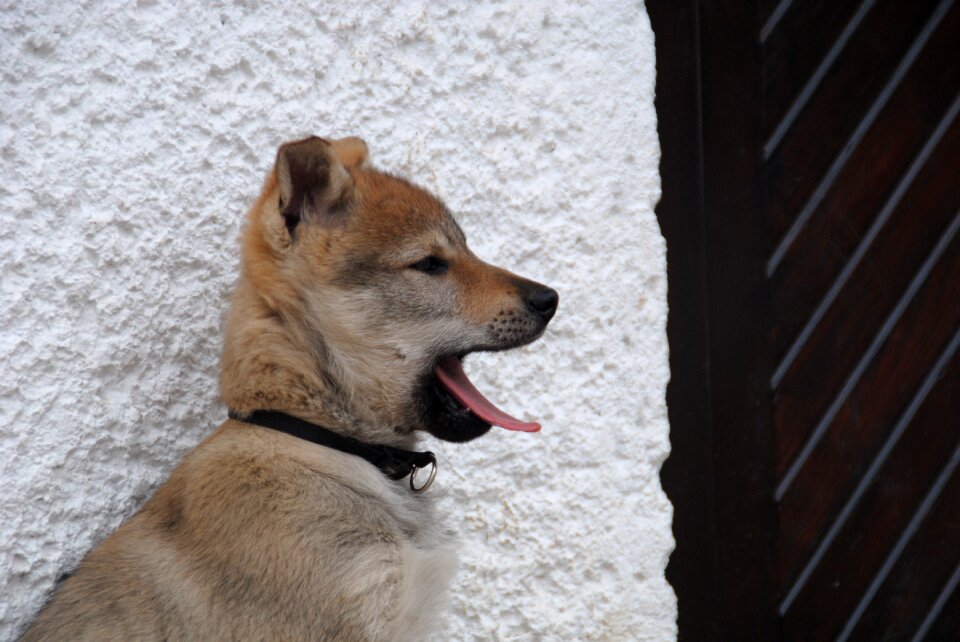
x,y
458,411
455,384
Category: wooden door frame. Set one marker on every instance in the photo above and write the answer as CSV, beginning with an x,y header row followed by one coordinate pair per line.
x,y
719,475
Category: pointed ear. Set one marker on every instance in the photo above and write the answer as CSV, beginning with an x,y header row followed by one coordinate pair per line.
x,y
351,151
314,185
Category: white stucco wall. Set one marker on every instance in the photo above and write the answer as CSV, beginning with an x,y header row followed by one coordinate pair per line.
x,y
134,135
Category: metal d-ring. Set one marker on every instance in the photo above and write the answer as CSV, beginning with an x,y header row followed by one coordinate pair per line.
x,y
416,469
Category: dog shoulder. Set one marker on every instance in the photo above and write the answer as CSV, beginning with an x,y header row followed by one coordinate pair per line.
x,y
316,531
315,534
257,535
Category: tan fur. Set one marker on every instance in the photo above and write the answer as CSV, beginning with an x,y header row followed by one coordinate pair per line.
x,y
258,535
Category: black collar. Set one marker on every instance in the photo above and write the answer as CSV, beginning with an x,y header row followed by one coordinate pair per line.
x,y
395,463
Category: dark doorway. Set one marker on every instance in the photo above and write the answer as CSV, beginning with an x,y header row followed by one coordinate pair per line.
x,y
811,206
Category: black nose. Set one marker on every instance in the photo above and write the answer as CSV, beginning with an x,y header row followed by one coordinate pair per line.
x,y
543,301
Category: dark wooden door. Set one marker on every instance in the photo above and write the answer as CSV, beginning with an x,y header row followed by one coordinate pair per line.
x,y
811,205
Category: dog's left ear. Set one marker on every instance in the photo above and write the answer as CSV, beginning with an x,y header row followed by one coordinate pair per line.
x,y
314,184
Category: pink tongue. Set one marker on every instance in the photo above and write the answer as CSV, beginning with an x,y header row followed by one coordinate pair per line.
x,y
450,373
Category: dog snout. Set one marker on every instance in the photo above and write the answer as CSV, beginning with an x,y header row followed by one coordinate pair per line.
x,y
542,301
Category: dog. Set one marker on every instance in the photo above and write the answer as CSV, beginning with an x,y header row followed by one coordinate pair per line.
x,y
303,516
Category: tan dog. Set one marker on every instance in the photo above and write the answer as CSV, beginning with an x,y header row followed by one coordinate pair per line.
x,y
357,301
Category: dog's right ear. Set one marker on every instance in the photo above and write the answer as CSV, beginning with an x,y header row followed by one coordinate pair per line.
x,y
314,185
351,151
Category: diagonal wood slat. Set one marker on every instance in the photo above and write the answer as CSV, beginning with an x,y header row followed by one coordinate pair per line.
x,y
905,182
860,82
868,415
774,14
814,197
807,91
951,590
837,227
819,24
937,512
868,292
899,474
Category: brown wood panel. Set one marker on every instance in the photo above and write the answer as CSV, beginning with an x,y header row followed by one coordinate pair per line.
x,y
868,180
726,579
865,179
840,105
736,242
874,516
884,391
867,298
687,474
911,570
792,54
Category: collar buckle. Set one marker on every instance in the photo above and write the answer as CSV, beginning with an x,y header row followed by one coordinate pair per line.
x,y
414,469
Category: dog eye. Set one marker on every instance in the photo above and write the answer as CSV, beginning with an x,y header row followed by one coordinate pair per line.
x,y
430,265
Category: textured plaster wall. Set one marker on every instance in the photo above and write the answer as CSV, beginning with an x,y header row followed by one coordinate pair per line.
x,y
133,136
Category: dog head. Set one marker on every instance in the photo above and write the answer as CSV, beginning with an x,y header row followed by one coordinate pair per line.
x,y
380,276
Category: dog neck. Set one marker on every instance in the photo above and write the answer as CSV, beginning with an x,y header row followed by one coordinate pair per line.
x,y
273,362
